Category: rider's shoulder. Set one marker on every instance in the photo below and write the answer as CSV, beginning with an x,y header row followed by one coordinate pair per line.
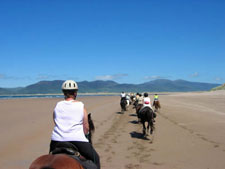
x,y
77,101
67,102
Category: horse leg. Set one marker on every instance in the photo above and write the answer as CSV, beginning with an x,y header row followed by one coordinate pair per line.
x,y
125,105
148,126
152,126
144,128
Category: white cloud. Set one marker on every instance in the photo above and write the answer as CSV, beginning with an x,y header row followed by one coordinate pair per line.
x,y
54,77
6,77
154,77
195,74
218,79
43,77
110,77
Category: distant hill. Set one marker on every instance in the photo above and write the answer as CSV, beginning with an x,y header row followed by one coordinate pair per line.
x,y
222,87
160,85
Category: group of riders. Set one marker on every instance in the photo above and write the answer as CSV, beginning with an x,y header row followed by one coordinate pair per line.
x,y
72,128
140,102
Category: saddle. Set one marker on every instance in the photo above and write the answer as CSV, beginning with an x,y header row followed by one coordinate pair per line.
x,y
66,148
146,108
72,151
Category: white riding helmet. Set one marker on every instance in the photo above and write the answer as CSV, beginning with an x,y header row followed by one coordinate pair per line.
x,y
69,85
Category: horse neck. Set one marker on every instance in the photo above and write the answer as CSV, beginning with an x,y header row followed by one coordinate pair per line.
x,y
91,125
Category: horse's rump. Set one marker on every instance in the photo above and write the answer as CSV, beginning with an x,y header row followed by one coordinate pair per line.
x,y
64,156
138,108
156,104
58,161
146,114
123,103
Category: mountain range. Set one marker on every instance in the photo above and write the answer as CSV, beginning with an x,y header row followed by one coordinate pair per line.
x,y
159,85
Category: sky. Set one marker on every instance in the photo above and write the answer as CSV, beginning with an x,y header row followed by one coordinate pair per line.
x,y
127,41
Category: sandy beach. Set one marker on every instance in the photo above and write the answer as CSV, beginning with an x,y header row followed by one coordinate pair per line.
x,y
190,132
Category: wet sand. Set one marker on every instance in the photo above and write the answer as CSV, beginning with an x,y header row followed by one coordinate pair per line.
x,y
190,132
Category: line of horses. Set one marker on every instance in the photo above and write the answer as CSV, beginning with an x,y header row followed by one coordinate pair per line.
x,y
66,155
144,114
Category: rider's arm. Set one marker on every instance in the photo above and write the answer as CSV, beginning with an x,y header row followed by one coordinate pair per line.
x,y
85,122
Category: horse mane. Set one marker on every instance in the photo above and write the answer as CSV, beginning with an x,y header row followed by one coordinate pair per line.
x,y
47,168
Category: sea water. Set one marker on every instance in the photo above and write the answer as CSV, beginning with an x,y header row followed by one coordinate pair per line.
x,y
49,96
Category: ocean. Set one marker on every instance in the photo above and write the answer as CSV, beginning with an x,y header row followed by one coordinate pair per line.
x,y
49,96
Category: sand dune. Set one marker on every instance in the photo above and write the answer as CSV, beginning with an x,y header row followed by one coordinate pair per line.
x,y
190,132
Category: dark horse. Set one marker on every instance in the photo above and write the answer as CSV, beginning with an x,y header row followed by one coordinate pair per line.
x,y
146,114
157,105
65,156
123,104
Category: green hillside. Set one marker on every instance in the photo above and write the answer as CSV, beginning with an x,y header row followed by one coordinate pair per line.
x,y
222,87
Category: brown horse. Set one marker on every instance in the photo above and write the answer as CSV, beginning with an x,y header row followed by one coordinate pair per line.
x,y
65,157
157,105
57,161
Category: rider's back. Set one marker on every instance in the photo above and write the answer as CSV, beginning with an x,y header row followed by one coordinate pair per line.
x,y
69,125
147,102
140,100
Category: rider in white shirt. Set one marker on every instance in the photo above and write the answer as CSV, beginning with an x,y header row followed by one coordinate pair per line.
x,y
146,101
71,123
122,95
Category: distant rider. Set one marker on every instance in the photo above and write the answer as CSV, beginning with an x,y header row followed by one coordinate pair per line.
x,y
128,99
156,97
146,101
156,100
122,95
136,100
139,104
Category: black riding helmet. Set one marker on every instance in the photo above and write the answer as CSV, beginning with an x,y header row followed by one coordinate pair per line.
x,y
145,94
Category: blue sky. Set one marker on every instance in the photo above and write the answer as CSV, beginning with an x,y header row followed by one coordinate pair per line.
x,y
128,41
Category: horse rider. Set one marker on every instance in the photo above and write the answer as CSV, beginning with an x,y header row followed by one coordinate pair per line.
x,y
156,97
132,97
156,100
122,95
128,99
140,99
136,100
71,123
146,101
139,104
